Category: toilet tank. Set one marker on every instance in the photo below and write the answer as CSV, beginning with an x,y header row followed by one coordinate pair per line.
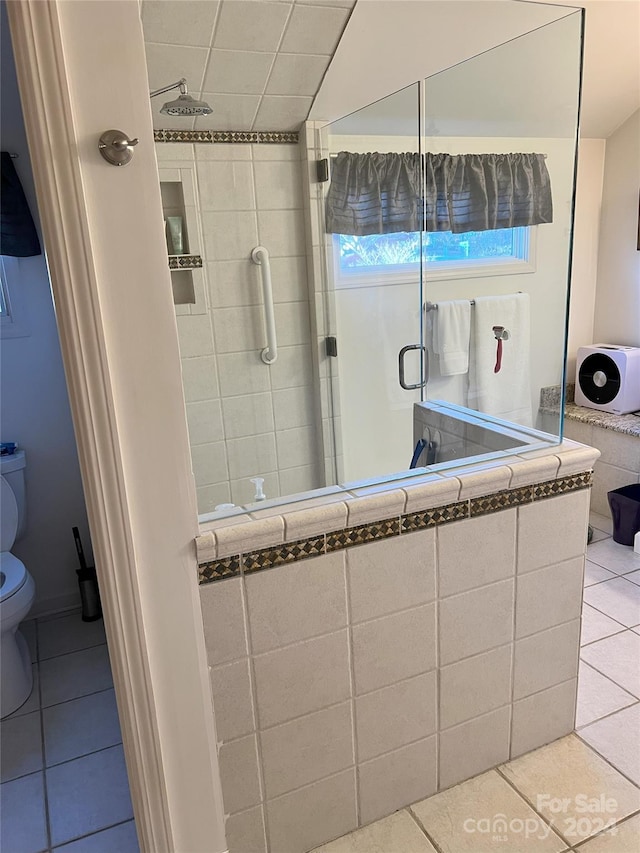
x,y
12,469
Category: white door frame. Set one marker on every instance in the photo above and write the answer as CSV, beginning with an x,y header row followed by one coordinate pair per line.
x,y
80,67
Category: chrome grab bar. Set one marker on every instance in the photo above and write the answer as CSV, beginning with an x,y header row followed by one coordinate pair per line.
x,y
260,256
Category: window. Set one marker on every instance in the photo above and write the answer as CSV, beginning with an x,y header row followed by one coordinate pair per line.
x,y
4,298
12,312
391,258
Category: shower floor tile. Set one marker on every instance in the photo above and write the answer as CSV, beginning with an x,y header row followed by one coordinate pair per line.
x,y
69,725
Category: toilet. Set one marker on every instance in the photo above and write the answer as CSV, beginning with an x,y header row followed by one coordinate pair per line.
x,y
17,589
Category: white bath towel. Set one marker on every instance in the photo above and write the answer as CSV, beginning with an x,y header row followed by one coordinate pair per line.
x,y
450,330
506,394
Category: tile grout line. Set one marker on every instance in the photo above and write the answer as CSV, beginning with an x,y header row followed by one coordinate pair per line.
x,y
76,698
613,681
606,716
439,665
606,636
333,775
607,568
295,643
626,689
523,796
546,820
605,759
421,827
601,612
514,635
95,832
403,611
45,787
46,766
396,684
256,713
43,770
332,706
618,823
84,755
74,652
352,685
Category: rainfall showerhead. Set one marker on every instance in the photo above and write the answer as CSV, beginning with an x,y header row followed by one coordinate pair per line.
x,y
184,104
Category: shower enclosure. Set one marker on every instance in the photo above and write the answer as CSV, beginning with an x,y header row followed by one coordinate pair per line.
x,y
413,620
446,263
418,259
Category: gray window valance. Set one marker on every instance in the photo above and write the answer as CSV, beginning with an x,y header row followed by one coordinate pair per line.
x,y
386,193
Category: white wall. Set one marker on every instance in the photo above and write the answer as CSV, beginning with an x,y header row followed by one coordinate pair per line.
x,y
35,403
586,235
617,306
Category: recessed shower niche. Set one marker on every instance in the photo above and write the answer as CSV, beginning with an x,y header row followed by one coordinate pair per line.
x,y
427,274
181,233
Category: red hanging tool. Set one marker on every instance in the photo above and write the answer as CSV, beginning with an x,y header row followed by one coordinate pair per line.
x,y
500,334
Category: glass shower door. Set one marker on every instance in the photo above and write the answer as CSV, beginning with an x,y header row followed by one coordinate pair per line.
x,y
373,291
499,190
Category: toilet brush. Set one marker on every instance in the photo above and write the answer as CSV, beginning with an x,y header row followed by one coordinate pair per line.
x,y
88,582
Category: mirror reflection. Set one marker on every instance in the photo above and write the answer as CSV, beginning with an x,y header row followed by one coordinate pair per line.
x,y
368,297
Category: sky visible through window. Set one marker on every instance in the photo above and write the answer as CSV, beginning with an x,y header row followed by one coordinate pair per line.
x,y
375,250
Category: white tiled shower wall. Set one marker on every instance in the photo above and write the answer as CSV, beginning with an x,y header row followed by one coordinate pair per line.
x,y
349,685
246,418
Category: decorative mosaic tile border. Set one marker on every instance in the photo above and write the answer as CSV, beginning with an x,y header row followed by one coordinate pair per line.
x,y
270,137
339,539
269,558
501,500
185,262
218,570
551,488
437,515
315,546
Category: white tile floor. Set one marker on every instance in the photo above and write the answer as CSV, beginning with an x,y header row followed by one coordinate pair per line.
x,y
64,784
602,758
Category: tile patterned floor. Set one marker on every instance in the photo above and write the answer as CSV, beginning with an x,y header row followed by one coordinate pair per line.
x,y
538,802
64,784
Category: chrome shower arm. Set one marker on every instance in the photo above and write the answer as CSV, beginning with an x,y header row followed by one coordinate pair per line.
x,y
182,83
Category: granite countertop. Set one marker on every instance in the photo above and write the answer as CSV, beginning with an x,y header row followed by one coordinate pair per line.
x,y
550,402
628,424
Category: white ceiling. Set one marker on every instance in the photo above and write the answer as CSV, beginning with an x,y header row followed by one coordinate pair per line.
x,y
257,63
260,63
476,98
611,82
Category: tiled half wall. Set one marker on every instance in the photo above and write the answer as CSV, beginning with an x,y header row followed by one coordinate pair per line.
x,y
619,463
350,684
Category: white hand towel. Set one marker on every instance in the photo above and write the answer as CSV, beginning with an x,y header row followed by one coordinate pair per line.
x,y
451,328
506,394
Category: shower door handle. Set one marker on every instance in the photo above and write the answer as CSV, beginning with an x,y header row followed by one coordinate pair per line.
x,y
401,356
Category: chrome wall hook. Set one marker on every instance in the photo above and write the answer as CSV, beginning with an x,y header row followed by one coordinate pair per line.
x,y
116,147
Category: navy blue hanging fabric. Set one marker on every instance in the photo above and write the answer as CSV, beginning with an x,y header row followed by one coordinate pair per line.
x,y
18,235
